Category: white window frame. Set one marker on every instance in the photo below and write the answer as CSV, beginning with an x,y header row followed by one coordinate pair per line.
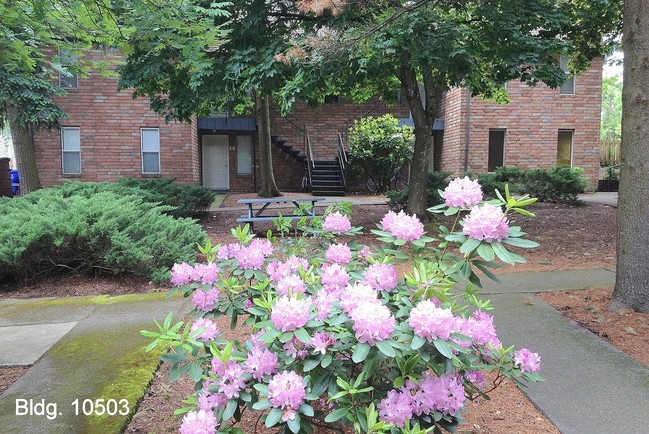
x,y
68,151
148,151
572,145
563,63
247,170
67,59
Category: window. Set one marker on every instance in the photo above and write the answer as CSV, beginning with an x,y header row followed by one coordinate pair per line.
x,y
568,86
150,150
564,148
71,148
244,155
331,99
68,80
496,149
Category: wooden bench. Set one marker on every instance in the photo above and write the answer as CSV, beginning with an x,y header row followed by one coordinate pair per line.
x,y
257,215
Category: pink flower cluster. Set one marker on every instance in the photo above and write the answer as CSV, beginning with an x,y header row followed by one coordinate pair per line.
x,y
355,294
277,270
207,400
291,285
231,380
403,226
527,360
250,258
382,277
338,253
287,390
198,422
336,223
486,222
372,322
431,322
228,251
261,362
184,273
444,394
320,341
334,275
480,328
210,329
205,300
296,348
290,313
462,193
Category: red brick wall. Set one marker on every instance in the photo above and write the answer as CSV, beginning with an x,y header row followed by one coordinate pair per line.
x,y
110,123
532,120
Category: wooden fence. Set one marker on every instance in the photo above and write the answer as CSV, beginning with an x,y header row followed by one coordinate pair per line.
x,y
609,152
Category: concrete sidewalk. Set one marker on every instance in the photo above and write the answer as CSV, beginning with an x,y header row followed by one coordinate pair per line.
x,y
591,387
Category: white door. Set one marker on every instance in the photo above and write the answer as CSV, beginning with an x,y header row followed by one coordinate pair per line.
x,y
216,163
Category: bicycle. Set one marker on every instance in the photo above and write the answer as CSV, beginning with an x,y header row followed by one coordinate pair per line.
x,y
398,181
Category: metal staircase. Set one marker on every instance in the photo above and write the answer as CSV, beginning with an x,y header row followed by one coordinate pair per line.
x,y
327,179
288,148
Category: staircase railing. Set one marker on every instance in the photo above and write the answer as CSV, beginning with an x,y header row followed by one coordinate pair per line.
x,y
310,160
291,130
342,160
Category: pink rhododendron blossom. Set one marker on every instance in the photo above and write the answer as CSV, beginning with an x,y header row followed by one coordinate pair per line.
x,y
372,322
290,314
462,193
291,285
476,378
382,277
339,253
353,295
205,300
337,223
395,408
218,367
323,302
198,422
320,341
296,348
231,382
228,251
207,274
486,222
365,253
431,322
444,394
527,360
403,226
261,362
480,327
334,275
287,390
250,258
208,401
210,332
263,245
277,270
181,274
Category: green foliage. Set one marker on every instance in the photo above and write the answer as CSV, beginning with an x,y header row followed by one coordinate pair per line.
x,y
101,232
611,128
559,184
378,147
435,181
491,182
179,200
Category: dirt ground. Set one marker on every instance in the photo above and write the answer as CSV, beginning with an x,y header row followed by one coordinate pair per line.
x,y
570,238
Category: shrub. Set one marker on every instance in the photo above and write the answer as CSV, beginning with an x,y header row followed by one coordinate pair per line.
x,y
378,146
101,232
557,184
496,180
435,181
337,336
180,200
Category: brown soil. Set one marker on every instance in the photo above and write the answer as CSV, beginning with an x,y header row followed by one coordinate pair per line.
x,y
570,238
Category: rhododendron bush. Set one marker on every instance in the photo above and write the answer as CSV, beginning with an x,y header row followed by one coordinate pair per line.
x,y
338,335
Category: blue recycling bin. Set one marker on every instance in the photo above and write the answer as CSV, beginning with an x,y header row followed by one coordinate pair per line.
x,y
15,181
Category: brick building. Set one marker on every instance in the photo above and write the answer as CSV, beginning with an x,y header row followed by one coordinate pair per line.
x,y
109,135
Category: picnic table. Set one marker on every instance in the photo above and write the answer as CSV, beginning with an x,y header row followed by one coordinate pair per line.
x,y
258,215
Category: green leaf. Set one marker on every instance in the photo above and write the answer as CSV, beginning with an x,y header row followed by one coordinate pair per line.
x,y
262,405
486,252
310,364
417,342
270,335
386,348
195,372
306,410
502,253
230,409
519,242
274,416
336,415
326,360
302,335
286,336
360,352
469,245
443,348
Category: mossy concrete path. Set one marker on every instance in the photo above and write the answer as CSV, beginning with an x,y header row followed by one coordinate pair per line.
x,y
88,358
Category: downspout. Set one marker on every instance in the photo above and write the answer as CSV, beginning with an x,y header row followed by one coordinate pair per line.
x,y
254,162
468,131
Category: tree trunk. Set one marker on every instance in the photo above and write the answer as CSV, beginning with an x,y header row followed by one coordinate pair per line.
x,y
632,282
268,186
423,118
23,142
